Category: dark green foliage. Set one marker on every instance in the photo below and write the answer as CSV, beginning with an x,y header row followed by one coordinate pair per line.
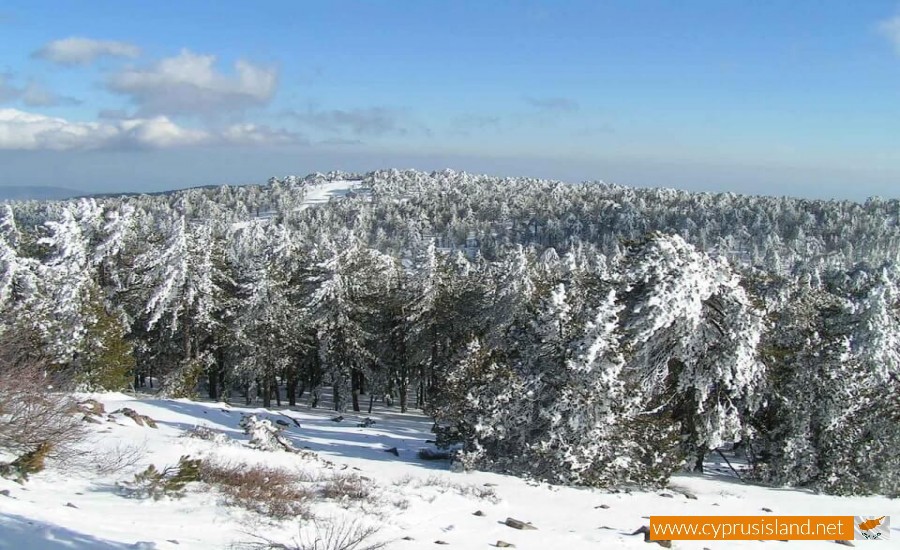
x,y
107,362
169,482
29,463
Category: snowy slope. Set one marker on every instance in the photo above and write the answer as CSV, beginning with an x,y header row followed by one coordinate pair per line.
x,y
411,498
322,193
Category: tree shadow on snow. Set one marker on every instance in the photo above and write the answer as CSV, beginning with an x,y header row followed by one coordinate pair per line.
x,y
405,432
17,532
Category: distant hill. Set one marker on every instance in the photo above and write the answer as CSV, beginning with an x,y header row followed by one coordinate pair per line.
x,y
36,192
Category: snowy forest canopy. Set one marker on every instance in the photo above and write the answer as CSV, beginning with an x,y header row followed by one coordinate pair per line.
x,y
590,334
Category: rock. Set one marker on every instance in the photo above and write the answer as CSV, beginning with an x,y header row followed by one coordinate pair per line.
x,y
132,414
478,513
490,485
70,505
281,422
602,507
433,454
139,419
844,542
645,530
393,451
407,537
90,419
366,423
5,492
337,419
519,524
666,495
766,510
441,542
689,496
504,544
92,407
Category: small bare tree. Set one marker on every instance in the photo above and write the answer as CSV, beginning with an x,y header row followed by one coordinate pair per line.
x,y
34,412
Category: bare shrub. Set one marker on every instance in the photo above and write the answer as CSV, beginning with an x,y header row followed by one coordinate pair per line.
x,y
332,534
118,459
32,413
349,486
273,492
446,486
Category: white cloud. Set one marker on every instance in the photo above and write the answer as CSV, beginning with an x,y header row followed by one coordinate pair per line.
x,y
371,121
36,95
254,133
189,83
8,91
82,51
890,28
20,130
33,95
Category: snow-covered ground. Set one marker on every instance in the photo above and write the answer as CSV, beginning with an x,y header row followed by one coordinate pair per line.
x,y
414,502
316,194
322,193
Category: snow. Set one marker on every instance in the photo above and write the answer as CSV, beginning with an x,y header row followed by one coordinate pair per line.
x,y
410,497
322,193
316,194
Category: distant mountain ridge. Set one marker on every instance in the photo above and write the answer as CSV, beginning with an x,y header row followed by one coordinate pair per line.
x,y
37,192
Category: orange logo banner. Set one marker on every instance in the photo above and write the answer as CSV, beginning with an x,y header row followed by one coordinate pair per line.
x,y
752,527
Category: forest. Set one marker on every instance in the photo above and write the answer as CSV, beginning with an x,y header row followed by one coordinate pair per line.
x,y
588,334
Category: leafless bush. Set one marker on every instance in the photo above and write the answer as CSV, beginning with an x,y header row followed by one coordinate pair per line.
x,y
273,492
32,413
122,457
444,486
333,534
350,486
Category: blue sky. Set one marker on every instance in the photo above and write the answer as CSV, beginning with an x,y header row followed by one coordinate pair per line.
x,y
797,98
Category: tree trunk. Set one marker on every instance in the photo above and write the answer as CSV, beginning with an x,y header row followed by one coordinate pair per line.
x,y
291,388
213,382
355,388
266,389
404,390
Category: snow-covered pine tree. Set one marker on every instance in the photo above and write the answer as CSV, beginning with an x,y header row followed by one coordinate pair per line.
x,y
690,338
